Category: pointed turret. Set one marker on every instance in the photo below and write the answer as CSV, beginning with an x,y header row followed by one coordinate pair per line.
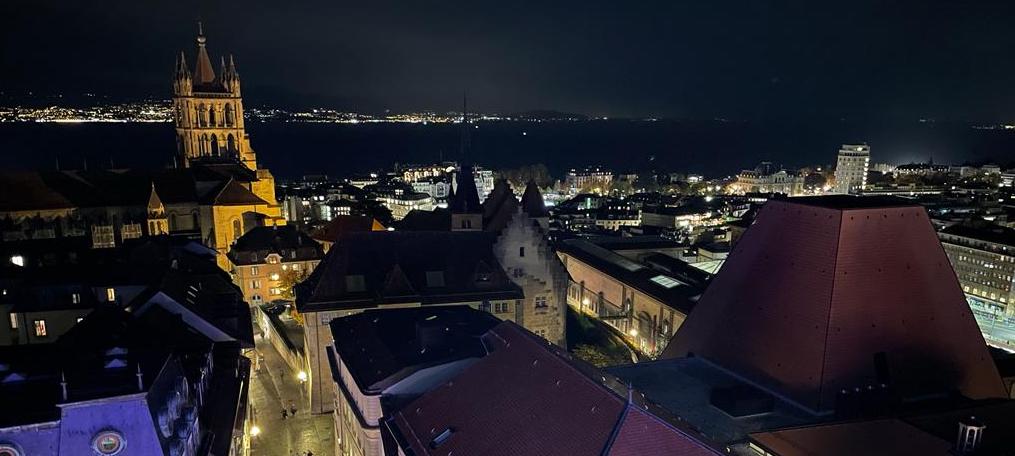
x,y
181,76
466,211
230,78
532,201
204,74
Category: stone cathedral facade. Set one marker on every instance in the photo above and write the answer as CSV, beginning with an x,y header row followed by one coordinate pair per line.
x,y
208,111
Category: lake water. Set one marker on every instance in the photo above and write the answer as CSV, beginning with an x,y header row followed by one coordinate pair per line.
x,y
711,148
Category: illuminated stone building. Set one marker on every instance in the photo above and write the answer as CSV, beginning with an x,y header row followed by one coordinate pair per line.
x,y
208,111
269,258
211,197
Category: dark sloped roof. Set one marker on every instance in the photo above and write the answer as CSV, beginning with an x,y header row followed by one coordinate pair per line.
x,y
417,220
466,197
886,437
527,397
816,295
458,257
499,207
991,233
343,224
532,201
261,241
381,347
231,193
681,297
41,190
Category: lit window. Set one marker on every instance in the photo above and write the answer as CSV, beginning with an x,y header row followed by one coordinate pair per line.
x,y
14,323
18,260
80,319
274,276
40,328
665,281
296,267
110,294
75,298
255,284
253,271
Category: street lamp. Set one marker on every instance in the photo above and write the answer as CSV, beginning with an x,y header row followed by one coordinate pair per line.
x,y
255,431
302,376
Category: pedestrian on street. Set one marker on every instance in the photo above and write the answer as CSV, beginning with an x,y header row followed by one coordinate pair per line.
x,y
292,407
285,413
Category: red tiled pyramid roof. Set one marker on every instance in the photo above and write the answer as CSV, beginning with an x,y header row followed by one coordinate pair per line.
x,y
818,289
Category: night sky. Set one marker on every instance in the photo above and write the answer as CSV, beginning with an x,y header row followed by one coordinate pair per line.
x,y
702,59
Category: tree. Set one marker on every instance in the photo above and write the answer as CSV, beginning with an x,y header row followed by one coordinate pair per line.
x,y
597,357
646,182
621,187
290,278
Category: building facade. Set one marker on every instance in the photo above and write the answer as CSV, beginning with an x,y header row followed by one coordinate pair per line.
x,y
397,269
208,111
589,179
268,260
766,179
984,262
851,168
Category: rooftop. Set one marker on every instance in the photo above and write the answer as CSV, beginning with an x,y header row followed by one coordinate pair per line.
x,y
670,290
685,386
381,347
849,202
988,233
429,267
542,403
804,291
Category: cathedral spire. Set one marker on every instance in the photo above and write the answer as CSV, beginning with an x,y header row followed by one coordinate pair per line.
x,y
466,134
203,72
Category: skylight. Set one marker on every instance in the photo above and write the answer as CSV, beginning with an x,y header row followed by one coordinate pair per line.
x,y
667,282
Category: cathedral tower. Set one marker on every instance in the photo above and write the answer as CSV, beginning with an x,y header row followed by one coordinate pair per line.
x,y
208,111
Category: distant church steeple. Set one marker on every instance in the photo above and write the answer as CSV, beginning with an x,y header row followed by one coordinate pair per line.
x,y
464,204
208,111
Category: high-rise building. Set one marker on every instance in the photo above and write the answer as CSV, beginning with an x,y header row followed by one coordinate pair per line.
x,y
851,168
208,111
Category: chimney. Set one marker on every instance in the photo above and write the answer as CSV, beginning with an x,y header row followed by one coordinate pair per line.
x,y
970,435
63,386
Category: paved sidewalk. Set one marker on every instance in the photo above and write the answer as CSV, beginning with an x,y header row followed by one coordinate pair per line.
x,y
272,387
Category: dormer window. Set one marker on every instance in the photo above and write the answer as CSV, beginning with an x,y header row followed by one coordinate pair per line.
x,y
355,283
435,279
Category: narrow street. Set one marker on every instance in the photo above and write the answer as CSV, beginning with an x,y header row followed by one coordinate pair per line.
x,y
272,388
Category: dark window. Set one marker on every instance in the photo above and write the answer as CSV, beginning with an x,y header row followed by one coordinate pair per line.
x,y
435,279
355,283
521,251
